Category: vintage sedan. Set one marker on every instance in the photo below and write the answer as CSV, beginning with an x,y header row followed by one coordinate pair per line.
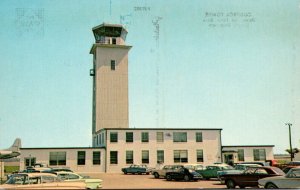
x,y
238,169
167,168
194,166
212,171
53,170
290,180
183,174
288,168
250,177
39,181
91,183
136,169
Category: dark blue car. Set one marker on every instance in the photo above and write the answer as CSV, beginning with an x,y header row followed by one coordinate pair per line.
x,y
183,174
136,169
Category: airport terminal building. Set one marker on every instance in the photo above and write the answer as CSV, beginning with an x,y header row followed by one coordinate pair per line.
x,y
115,145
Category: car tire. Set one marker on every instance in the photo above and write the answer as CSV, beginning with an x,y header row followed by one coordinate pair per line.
x,y
156,175
207,178
168,177
242,187
125,173
186,178
230,184
271,186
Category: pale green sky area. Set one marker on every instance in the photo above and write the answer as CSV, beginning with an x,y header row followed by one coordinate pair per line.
x,y
184,71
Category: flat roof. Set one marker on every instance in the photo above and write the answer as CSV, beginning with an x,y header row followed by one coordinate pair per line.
x,y
161,129
248,146
94,46
29,148
109,25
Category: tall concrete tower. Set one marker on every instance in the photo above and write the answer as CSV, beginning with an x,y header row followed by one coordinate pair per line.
x,y
110,77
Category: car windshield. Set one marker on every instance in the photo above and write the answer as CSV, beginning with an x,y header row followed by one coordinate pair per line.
x,y
227,168
278,171
49,179
194,167
191,170
16,179
293,173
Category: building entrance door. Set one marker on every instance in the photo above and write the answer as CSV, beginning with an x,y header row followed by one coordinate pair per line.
x,y
30,161
230,157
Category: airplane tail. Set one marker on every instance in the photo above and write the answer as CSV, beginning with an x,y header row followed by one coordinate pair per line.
x,y
16,146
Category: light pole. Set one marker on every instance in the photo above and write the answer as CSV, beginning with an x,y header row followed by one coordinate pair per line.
x,y
1,168
291,149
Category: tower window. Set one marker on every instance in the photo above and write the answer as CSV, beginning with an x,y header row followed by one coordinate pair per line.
x,y
113,65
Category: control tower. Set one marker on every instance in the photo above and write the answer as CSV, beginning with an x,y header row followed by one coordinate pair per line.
x,y
110,77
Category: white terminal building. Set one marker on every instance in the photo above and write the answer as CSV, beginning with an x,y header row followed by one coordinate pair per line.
x,y
115,145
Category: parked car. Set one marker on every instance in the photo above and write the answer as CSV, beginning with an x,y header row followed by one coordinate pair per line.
x,y
39,181
212,171
250,177
54,170
91,183
167,168
238,169
194,166
288,165
294,163
257,162
183,174
290,180
288,168
39,167
136,169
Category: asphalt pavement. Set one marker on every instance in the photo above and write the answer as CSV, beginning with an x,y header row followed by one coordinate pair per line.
x,y
131,181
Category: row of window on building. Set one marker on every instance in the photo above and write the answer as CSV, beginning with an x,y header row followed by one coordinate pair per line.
x,y
60,158
177,137
179,156
258,155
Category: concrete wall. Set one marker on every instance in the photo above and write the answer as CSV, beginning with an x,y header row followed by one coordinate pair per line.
x,y
111,94
248,151
42,156
211,146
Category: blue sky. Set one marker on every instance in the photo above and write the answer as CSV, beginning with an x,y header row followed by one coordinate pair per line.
x,y
196,64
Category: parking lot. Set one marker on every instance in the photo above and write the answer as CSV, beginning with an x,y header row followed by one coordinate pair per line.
x,y
121,181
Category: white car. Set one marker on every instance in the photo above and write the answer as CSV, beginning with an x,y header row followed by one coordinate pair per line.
x,y
91,183
39,181
290,180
